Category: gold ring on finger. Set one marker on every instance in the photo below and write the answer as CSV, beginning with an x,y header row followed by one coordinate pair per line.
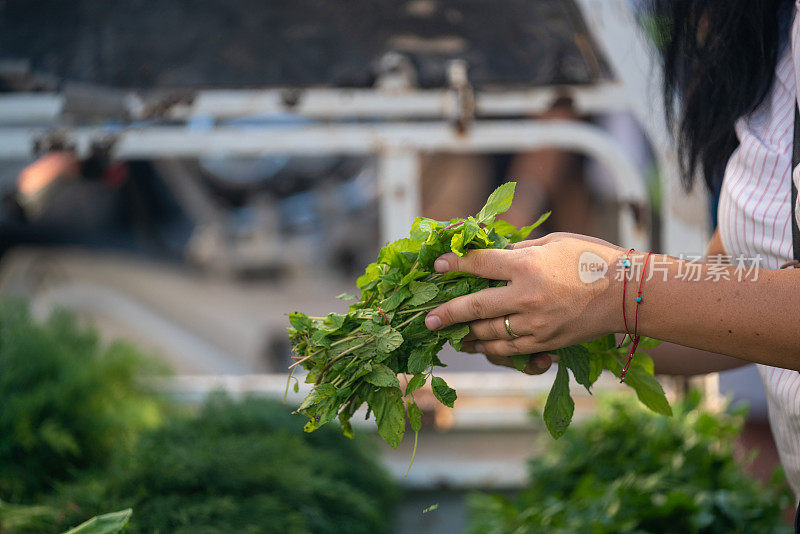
x,y
509,329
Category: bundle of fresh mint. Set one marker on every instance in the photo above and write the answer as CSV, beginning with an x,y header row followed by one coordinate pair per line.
x,y
355,358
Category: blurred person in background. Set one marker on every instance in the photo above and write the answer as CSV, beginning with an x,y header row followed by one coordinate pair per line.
x,y
51,193
61,201
547,178
731,78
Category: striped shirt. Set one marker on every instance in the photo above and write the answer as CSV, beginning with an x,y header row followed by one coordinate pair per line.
x,y
754,220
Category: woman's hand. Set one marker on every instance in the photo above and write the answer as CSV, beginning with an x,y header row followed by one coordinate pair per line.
x,y
561,290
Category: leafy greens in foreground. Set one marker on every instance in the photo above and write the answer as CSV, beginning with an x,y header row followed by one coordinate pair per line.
x,y
355,358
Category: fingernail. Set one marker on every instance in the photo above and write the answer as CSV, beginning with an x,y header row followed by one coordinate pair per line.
x,y
479,347
441,265
433,322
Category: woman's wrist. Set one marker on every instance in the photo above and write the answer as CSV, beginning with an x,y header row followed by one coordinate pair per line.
x,y
611,297
627,275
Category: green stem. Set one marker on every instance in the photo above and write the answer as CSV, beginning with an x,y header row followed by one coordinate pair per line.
x,y
413,453
345,352
424,308
360,345
449,226
288,381
347,338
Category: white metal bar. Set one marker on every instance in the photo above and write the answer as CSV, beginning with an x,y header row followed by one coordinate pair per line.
x,y
30,108
335,104
400,198
484,136
431,103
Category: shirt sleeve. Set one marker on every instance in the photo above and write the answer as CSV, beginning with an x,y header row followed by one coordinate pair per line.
x,y
795,44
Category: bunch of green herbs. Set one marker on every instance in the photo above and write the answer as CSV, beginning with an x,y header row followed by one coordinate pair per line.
x,y
356,357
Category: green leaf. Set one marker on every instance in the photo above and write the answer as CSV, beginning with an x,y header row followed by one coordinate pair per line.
x,y
334,321
392,253
422,292
299,320
419,361
344,422
395,299
559,407
345,296
644,361
416,382
576,358
382,376
387,405
370,275
595,367
443,392
499,202
498,241
458,289
612,363
607,342
319,339
464,237
455,334
414,417
421,227
648,390
413,275
520,361
104,524
503,228
457,243
431,508
317,394
429,252
525,231
389,340
647,343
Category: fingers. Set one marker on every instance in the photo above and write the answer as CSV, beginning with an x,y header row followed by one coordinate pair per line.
x,y
486,303
537,363
496,328
556,236
509,347
559,236
486,263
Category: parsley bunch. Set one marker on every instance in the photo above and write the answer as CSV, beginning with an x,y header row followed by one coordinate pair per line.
x,y
355,358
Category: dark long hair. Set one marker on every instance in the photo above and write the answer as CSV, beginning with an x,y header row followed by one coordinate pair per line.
x,y
719,59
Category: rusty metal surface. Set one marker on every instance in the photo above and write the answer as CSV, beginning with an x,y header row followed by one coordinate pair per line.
x,y
171,43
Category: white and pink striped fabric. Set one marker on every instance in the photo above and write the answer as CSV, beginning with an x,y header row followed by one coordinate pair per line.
x,y
755,219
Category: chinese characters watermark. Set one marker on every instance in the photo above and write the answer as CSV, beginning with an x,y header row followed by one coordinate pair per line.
x,y
692,268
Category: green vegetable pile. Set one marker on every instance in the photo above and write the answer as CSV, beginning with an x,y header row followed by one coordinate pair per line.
x,y
626,470
355,358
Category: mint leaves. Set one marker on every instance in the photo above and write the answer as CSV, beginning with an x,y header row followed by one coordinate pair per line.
x,y
498,202
355,358
443,393
559,407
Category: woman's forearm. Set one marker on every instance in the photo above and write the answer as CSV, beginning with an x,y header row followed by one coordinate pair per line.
x,y
564,290
756,318
672,359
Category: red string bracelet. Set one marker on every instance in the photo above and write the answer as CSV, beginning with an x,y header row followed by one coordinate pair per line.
x,y
636,336
626,265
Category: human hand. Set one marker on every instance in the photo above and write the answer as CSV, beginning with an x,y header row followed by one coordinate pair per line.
x,y
549,303
41,173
